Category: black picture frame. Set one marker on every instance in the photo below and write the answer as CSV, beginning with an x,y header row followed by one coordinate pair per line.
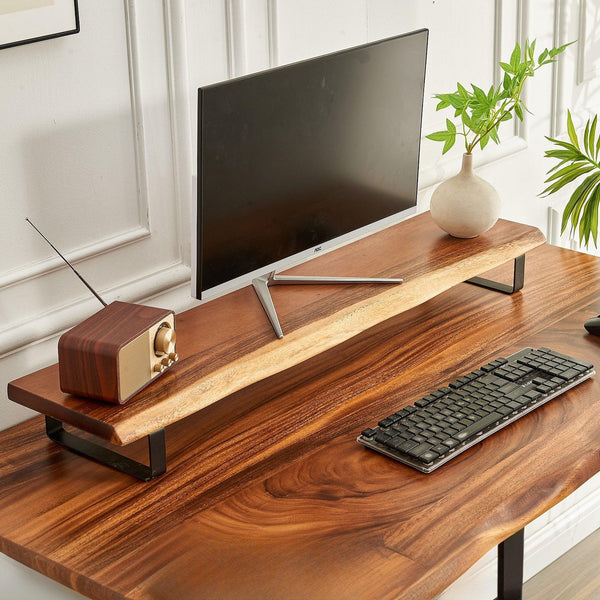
x,y
36,20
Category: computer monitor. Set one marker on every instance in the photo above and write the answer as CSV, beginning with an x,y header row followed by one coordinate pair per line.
x,y
304,157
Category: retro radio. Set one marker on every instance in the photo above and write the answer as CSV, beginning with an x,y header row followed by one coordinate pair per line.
x,y
117,351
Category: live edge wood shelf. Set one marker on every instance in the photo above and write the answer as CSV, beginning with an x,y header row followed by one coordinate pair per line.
x,y
228,344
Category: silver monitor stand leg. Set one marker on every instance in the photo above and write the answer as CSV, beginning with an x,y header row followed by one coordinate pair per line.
x,y
261,287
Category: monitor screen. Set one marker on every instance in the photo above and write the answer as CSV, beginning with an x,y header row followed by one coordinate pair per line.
x,y
305,156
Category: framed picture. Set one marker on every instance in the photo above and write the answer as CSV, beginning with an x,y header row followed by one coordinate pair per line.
x,y
26,21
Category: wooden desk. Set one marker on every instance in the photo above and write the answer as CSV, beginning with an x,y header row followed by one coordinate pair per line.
x,y
283,503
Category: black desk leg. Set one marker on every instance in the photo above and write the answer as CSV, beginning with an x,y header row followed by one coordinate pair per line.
x,y
156,451
510,567
517,284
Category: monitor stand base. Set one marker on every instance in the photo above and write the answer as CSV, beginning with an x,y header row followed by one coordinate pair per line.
x,y
261,287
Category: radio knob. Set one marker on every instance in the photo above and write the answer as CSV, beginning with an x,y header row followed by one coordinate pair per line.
x,y
164,340
174,356
159,368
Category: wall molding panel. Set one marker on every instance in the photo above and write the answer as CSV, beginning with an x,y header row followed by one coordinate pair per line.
x,y
588,59
136,111
54,263
21,335
273,36
180,118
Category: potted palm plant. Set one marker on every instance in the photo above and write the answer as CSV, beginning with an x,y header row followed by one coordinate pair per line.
x,y
466,205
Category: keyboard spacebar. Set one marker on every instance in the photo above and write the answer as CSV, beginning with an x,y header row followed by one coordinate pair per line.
x,y
478,426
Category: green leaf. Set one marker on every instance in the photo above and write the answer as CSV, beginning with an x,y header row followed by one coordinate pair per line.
x,y
519,112
565,176
579,206
462,90
506,67
438,136
592,223
467,121
563,180
577,169
592,138
589,217
455,100
562,155
515,57
575,151
542,57
586,135
480,95
494,135
450,125
449,143
562,48
575,203
571,131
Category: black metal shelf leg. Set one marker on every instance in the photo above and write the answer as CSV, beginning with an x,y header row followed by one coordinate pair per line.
x,y
510,567
156,451
517,284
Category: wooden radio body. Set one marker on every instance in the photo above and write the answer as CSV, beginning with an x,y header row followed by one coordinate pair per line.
x,y
116,352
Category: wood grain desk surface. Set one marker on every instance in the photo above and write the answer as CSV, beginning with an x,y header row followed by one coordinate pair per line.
x,y
268,495
228,344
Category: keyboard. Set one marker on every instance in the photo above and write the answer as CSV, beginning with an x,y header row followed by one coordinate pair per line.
x,y
446,422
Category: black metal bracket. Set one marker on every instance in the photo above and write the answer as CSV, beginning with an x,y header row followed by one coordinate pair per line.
x,y
517,284
156,451
510,567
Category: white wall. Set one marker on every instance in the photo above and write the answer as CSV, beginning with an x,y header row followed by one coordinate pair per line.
x,y
98,135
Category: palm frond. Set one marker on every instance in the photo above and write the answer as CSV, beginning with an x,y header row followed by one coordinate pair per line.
x,y
576,159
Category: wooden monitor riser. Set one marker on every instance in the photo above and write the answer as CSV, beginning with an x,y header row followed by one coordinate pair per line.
x,y
228,344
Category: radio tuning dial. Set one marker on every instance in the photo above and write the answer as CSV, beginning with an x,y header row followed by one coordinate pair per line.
x,y
164,342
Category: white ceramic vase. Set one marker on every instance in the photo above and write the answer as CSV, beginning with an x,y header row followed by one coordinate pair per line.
x,y
465,205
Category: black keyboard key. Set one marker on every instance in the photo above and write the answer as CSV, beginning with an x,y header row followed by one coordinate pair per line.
x,y
478,426
440,449
507,388
423,402
428,456
382,437
416,451
569,374
514,394
369,433
450,443
407,445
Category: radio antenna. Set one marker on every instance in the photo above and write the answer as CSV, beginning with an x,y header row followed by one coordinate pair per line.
x,y
87,285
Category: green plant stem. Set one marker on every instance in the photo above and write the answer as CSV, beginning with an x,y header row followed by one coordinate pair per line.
x,y
495,120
